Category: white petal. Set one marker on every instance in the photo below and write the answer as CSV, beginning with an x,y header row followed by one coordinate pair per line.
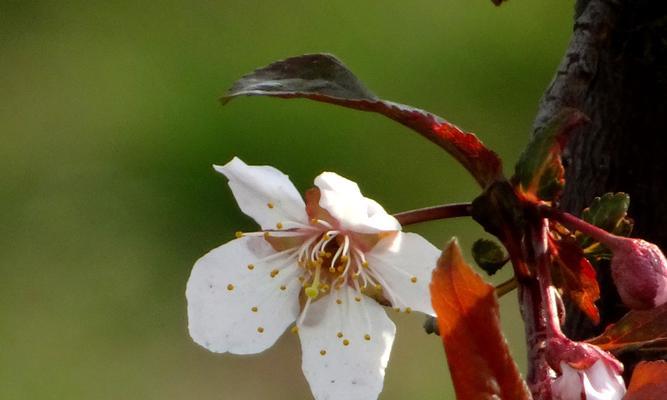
x,y
568,386
602,383
265,194
346,372
405,263
221,317
343,200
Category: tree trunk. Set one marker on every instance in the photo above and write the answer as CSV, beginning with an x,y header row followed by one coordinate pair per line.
x,y
615,71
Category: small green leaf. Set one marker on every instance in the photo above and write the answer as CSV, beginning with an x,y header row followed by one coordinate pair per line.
x,y
608,211
488,255
539,172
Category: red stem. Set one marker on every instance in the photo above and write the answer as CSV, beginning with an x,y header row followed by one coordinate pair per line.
x,y
572,222
433,213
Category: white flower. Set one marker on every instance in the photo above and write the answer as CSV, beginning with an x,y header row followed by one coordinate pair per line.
x,y
327,264
600,381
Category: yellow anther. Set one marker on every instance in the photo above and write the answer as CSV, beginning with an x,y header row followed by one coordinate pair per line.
x,y
313,221
230,287
260,329
346,342
357,299
340,268
254,309
364,264
408,310
378,287
355,275
311,292
239,234
266,235
283,287
301,279
274,273
251,267
332,269
344,259
279,225
323,352
367,337
339,301
269,204
339,334
295,329
326,236
413,279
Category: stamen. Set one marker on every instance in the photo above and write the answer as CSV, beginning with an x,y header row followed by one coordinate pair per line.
x,y
260,329
230,287
269,204
346,342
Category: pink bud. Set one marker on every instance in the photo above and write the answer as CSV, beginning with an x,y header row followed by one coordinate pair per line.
x,y
639,270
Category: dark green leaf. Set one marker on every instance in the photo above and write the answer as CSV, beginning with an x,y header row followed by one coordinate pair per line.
x,y
488,255
539,172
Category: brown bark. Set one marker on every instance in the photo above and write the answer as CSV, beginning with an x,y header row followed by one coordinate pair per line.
x,y
615,71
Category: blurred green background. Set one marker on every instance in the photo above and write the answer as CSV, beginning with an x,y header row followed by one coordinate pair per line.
x,y
109,124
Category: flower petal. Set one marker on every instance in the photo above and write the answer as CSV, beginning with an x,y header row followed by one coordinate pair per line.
x,y
235,303
404,262
602,383
265,194
349,366
568,386
343,200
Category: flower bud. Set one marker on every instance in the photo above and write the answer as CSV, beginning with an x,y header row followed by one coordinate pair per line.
x,y
639,270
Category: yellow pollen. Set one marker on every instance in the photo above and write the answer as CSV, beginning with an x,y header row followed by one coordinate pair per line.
x,y
283,287
346,342
230,287
367,337
254,309
279,225
239,234
295,329
408,310
364,264
413,279
339,334
326,236
357,299
344,259
355,275
313,221
311,292
339,301
251,267
378,287
266,235
274,273
323,352
332,269
270,205
260,329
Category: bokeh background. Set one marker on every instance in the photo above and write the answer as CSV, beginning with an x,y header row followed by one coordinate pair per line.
x,y
109,124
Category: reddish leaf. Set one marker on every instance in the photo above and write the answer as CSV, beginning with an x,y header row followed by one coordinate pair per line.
x,y
638,328
649,381
477,353
322,77
576,277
